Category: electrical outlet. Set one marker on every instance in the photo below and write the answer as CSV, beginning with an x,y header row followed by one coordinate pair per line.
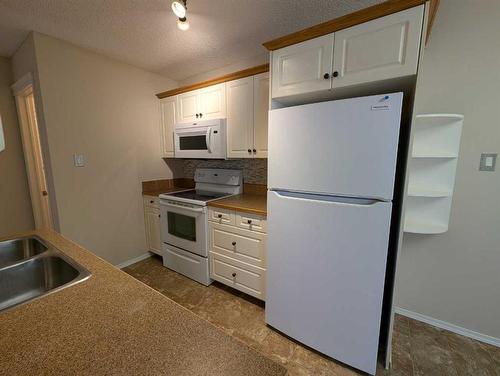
x,y
79,160
488,162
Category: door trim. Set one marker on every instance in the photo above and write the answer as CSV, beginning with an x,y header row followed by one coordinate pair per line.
x,y
30,135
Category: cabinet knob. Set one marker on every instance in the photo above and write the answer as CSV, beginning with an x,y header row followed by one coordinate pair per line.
x,y
159,215
335,74
151,202
326,76
234,275
233,243
201,115
249,221
197,116
255,150
219,215
249,150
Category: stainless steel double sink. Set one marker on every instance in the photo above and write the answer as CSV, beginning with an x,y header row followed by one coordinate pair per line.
x,y
30,269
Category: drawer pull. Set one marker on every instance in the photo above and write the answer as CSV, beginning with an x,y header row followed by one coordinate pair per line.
x,y
151,202
219,215
233,243
249,221
234,275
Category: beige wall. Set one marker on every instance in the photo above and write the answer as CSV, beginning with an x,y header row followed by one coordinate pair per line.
x,y
107,111
15,203
455,277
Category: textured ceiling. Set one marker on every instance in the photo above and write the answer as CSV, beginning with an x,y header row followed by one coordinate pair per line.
x,y
144,32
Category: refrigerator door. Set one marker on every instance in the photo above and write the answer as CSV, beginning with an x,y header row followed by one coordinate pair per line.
x,y
326,268
345,147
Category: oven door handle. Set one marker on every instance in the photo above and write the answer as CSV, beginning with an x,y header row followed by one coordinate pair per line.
x,y
196,210
208,139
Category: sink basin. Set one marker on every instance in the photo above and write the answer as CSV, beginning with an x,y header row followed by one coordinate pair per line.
x,y
45,271
15,250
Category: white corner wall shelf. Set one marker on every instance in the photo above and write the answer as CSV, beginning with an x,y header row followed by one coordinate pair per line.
x,y
432,170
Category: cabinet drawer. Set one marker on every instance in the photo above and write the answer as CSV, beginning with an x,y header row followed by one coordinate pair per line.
x,y
251,222
222,216
247,278
243,245
153,201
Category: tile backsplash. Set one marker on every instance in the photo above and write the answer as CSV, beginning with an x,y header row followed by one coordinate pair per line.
x,y
254,170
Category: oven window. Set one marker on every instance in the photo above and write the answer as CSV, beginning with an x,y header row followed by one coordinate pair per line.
x,y
193,143
181,226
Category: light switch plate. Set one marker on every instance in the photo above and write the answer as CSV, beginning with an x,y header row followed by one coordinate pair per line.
x,y
488,162
79,160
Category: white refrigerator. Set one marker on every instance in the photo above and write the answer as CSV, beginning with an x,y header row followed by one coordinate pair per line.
x,y
331,180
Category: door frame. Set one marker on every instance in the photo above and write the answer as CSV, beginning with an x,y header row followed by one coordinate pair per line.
x,y
23,91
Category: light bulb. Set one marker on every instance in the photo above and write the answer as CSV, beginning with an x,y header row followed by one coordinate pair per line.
x,y
179,9
183,24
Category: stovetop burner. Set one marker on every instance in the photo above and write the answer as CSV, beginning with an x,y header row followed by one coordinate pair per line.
x,y
199,195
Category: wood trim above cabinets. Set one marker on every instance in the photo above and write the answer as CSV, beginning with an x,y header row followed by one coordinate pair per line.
x,y
433,8
352,19
228,77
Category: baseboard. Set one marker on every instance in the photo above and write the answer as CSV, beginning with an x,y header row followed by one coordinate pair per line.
x,y
450,327
134,260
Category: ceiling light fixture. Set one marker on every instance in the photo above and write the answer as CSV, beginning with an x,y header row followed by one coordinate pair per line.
x,y
180,9
183,24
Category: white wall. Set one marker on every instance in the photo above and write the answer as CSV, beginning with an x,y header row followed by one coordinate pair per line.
x,y
15,203
107,111
455,277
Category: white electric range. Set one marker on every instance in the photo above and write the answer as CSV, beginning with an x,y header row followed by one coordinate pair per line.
x,y
184,221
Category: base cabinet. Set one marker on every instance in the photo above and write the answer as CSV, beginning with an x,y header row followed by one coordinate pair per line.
x,y
152,222
237,250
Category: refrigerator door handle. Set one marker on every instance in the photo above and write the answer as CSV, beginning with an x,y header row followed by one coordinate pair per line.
x,y
327,198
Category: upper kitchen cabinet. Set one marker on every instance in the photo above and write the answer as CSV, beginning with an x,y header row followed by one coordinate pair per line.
x,y
202,104
381,49
302,68
247,111
240,118
260,113
168,119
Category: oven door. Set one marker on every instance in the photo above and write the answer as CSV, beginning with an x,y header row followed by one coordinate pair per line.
x,y
205,141
184,226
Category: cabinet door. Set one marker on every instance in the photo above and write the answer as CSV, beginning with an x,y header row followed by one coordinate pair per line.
x,y
152,219
301,68
168,118
213,102
188,106
240,118
260,113
384,48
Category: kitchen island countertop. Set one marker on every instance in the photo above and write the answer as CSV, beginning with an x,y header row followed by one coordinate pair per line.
x,y
112,324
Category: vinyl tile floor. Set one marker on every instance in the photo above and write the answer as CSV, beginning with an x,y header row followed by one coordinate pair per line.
x,y
418,349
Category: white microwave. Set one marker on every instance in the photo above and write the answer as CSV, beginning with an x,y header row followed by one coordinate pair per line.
x,y
201,139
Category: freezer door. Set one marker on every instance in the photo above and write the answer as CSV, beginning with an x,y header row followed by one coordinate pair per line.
x,y
326,269
345,147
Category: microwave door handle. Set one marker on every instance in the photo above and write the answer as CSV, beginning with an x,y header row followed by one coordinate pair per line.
x,y
208,139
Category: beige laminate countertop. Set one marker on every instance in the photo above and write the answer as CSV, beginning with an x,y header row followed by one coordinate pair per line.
x,y
246,202
112,324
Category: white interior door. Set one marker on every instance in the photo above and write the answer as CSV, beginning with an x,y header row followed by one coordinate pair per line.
x,y
384,48
301,68
326,265
213,102
345,147
240,118
188,107
260,113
